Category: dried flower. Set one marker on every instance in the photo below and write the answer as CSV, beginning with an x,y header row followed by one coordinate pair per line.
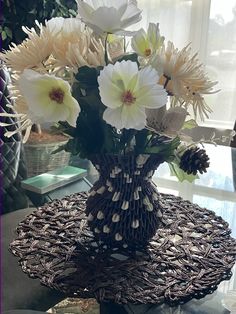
x,y
184,78
170,122
32,53
74,45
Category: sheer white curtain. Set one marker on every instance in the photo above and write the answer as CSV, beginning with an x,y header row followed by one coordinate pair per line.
x,y
210,25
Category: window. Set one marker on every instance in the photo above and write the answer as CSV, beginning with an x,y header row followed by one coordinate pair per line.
x,y
210,25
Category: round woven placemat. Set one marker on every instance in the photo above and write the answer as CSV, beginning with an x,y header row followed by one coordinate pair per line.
x,y
188,257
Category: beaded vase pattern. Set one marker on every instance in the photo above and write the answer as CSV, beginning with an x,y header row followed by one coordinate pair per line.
x,y
123,207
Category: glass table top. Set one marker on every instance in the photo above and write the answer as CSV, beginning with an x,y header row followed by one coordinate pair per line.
x,y
214,190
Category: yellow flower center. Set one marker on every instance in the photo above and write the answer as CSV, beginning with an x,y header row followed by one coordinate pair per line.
x,y
128,98
147,52
57,94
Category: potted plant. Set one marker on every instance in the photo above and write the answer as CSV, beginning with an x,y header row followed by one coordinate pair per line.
x,y
114,109
40,143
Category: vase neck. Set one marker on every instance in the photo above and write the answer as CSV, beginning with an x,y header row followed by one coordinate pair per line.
x,y
126,166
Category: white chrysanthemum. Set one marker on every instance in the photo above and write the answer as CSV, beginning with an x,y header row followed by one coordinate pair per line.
x,y
73,44
32,52
126,91
108,16
145,44
183,76
48,98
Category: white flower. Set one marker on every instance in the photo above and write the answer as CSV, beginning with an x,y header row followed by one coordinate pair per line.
x,y
48,98
147,43
108,16
73,44
184,77
56,25
32,52
126,92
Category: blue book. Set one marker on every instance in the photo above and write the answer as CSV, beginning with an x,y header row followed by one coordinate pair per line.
x,y
52,180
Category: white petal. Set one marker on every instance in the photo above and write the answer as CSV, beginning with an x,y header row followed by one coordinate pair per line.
x,y
124,117
148,76
150,94
133,117
55,24
107,19
155,97
109,92
113,117
110,16
127,70
85,10
131,16
74,110
139,42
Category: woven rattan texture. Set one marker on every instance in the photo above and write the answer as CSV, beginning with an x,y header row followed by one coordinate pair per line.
x,y
188,257
123,205
40,158
13,169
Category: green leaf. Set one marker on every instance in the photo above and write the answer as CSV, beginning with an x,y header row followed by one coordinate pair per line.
x,y
87,77
4,35
89,131
141,139
92,103
8,31
180,174
132,57
165,148
72,12
63,127
72,146
126,138
190,124
109,145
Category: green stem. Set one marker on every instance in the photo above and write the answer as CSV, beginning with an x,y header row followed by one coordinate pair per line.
x,y
167,80
106,54
124,44
149,141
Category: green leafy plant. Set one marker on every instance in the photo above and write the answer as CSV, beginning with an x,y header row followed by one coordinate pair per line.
x,y
25,12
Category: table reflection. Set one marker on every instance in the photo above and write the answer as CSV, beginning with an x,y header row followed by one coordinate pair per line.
x,y
214,190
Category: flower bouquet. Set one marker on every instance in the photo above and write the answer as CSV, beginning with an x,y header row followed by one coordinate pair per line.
x,y
123,98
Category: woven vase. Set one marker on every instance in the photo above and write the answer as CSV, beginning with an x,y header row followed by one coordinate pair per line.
x,y
123,207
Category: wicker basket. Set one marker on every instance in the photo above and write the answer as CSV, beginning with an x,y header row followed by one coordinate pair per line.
x,y
39,157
